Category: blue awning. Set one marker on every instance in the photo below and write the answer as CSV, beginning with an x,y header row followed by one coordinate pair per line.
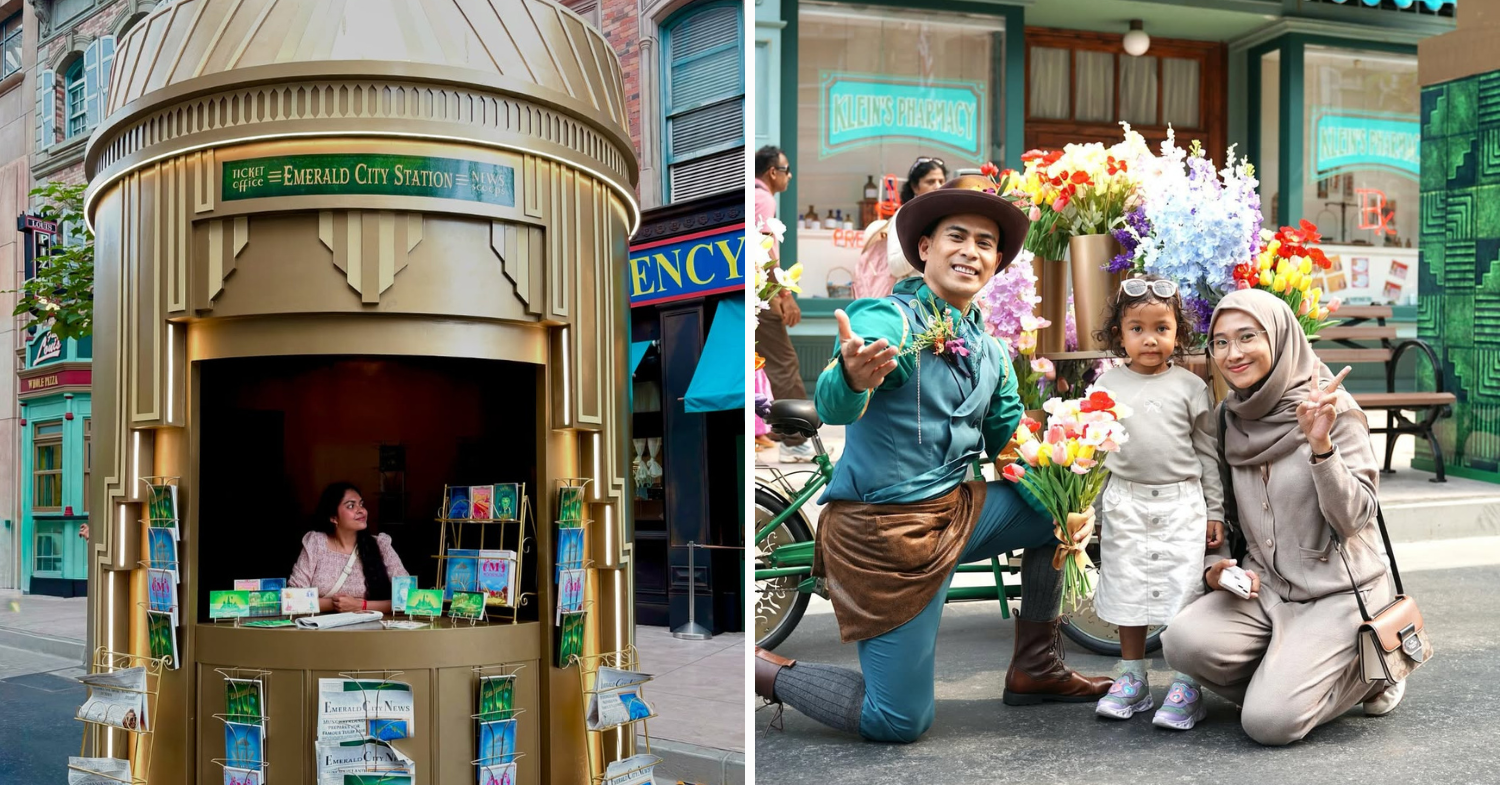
x,y
637,353
719,381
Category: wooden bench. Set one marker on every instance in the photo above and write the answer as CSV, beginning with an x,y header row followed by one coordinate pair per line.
x,y
1337,348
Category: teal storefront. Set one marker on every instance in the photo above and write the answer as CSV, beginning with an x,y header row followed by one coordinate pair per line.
x,y
1321,94
53,389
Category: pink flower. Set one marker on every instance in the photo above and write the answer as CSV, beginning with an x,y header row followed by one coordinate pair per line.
x,y
1303,307
956,346
1035,214
1078,468
1059,454
1029,451
1026,344
1086,463
1014,472
1333,305
1044,366
1056,434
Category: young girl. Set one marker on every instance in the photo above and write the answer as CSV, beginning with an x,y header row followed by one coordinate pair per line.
x,y
1163,507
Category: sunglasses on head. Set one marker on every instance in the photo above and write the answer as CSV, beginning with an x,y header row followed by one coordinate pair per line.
x,y
921,161
1135,287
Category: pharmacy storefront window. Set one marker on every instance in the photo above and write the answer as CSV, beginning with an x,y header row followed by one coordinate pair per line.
x,y
1362,153
878,89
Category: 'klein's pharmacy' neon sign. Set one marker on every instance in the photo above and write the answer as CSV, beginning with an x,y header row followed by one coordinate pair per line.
x,y
1367,141
863,109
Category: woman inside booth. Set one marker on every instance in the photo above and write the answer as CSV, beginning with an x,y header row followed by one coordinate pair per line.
x,y
351,568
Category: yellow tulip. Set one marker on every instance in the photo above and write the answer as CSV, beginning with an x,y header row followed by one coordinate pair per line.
x,y
1306,268
1315,295
1322,314
1072,453
1265,261
1085,451
1279,284
1273,247
1044,456
1266,277
1294,279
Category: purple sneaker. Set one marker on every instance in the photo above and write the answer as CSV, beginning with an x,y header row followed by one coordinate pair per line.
x,y
1182,708
1127,695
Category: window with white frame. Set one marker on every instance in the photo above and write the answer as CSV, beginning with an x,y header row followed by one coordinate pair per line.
x,y
704,99
76,107
85,92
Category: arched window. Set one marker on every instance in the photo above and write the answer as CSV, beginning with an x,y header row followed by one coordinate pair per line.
x,y
704,100
75,107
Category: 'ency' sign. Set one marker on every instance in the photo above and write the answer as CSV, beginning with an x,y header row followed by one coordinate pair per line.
x,y
388,175
858,110
691,266
1361,142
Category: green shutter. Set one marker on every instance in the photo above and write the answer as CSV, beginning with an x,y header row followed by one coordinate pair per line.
x,y
705,101
46,109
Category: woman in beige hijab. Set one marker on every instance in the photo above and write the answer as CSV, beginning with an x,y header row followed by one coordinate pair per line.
x,y
1301,468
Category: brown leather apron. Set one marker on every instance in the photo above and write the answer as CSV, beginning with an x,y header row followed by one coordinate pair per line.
x,y
885,562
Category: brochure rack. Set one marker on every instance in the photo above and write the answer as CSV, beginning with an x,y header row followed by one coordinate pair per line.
x,y
481,718
493,534
581,524
263,677
139,741
588,670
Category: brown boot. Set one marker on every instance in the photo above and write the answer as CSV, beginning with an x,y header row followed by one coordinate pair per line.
x,y
1037,672
767,665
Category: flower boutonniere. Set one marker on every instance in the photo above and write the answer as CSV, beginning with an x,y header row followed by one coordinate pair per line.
x,y
940,334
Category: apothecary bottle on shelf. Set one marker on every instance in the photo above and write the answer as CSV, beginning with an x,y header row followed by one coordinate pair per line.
x,y
872,191
810,220
829,222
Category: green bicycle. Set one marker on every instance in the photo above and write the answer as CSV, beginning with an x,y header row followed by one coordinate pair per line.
x,y
784,551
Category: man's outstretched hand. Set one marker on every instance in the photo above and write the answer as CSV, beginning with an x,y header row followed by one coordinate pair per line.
x,y
865,366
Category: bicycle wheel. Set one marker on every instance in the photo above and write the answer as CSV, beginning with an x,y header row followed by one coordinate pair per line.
x,y
1085,628
778,604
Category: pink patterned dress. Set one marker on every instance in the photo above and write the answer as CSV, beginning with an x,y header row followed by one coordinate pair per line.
x,y
321,566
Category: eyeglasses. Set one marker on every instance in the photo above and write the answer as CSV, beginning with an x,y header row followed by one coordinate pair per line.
x,y
921,161
1220,346
782,169
1135,287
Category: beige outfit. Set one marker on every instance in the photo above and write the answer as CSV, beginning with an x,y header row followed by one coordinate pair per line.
x,y
1288,657
895,258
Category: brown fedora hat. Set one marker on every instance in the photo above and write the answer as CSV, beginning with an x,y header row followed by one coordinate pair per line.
x,y
968,194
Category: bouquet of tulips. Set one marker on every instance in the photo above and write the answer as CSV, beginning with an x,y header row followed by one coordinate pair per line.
x,y
1062,466
1284,268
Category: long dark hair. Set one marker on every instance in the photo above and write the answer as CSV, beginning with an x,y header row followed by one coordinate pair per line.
x,y
918,171
377,580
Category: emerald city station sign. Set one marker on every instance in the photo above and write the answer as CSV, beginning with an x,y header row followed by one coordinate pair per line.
x,y
332,174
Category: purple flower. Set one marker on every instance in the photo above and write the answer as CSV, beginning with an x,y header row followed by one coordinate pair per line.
x,y
1007,297
1200,311
956,346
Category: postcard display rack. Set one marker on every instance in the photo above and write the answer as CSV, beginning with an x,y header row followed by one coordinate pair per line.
x,y
246,693
571,575
122,698
501,516
163,537
495,722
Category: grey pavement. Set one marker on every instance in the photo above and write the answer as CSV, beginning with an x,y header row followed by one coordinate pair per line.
x,y
1443,731
48,625
699,694
39,697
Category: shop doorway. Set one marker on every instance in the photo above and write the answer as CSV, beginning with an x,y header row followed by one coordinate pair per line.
x,y
276,430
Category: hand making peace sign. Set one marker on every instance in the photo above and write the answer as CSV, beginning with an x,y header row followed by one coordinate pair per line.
x,y
865,367
1316,414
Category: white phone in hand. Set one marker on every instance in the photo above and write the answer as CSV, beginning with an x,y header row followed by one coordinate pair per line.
x,y
1235,581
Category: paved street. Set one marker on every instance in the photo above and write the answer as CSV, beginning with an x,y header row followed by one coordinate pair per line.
x,y
1443,731
38,697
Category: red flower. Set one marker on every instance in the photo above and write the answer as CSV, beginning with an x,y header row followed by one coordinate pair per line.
x,y
1014,472
1052,157
1309,231
1031,425
989,169
1320,259
1286,250
1033,155
1080,178
1098,401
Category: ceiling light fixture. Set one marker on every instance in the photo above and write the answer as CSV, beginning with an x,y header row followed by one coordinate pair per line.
x,y
1136,41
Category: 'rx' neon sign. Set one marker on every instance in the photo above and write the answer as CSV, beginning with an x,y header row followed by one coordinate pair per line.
x,y
1375,213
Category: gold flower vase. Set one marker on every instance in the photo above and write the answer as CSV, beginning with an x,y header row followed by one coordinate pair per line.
x,y
1093,284
1052,287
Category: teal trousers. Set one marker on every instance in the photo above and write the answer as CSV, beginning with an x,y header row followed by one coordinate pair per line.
x,y
899,666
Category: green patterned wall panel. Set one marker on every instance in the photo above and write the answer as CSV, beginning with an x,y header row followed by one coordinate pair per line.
x,y
1458,310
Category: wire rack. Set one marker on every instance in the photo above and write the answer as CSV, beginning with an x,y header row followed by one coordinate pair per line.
x,y
140,736
588,672
454,533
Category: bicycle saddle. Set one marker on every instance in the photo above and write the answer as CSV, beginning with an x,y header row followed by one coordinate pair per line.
x,y
794,417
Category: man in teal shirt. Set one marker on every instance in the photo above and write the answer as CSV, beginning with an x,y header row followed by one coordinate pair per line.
x,y
925,393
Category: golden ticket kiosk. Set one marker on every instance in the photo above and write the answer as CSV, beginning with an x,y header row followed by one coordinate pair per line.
x,y
366,241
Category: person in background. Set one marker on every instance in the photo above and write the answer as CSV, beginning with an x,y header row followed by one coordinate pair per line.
x,y
883,264
772,174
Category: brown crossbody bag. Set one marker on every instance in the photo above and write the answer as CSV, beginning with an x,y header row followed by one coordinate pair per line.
x,y
1393,642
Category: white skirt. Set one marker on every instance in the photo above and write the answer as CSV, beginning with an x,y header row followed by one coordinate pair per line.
x,y
1152,541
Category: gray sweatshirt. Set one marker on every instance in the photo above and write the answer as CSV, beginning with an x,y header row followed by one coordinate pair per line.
x,y
1172,432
